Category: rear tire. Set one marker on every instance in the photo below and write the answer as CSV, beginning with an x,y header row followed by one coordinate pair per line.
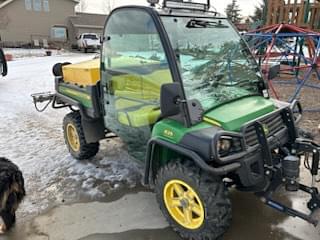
x,y
75,139
204,196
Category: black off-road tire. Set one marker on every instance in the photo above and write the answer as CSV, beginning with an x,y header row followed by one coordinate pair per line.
x,y
86,150
212,192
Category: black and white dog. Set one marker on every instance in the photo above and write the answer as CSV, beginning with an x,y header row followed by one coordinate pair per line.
x,y
11,192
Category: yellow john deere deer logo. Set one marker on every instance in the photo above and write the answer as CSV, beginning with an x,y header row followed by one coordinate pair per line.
x,y
265,129
168,133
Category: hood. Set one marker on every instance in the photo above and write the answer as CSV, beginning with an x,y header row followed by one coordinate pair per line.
x,y
231,116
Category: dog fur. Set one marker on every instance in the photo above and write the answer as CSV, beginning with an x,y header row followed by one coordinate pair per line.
x,y
12,192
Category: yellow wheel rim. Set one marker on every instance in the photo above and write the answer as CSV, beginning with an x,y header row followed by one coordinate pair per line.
x,y
73,137
183,204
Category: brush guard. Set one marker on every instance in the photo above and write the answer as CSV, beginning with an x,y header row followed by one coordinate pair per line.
x,y
286,173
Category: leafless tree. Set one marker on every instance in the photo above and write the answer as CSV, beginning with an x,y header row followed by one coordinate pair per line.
x,y
108,5
82,6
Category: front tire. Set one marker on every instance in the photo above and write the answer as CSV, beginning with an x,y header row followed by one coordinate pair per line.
x,y
75,139
196,205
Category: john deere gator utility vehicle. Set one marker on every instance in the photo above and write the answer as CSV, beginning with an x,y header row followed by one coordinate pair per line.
x,y
180,87
3,64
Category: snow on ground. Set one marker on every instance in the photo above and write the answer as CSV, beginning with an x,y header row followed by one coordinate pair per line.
x,y
34,141
18,53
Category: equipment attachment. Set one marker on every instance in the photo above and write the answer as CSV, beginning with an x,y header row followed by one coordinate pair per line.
x,y
41,98
286,173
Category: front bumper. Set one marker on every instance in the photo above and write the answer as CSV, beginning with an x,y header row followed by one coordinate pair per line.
x,y
258,147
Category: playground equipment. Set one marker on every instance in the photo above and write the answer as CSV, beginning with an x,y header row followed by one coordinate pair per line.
x,y
294,49
304,13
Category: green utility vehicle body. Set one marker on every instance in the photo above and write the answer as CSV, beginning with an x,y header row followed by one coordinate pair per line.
x,y
126,101
181,88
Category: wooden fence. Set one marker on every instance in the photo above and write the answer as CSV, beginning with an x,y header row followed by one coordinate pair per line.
x,y
304,13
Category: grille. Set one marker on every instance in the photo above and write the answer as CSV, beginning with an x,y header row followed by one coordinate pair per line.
x,y
274,123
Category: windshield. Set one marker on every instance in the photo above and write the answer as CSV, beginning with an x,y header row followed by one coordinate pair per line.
x,y
91,36
215,64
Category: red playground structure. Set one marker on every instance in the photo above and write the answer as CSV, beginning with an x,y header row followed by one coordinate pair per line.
x,y
295,49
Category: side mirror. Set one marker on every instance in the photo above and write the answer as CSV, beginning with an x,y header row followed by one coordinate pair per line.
x,y
169,99
171,105
3,64
273,72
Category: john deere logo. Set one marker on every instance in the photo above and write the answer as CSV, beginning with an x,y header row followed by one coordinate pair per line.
x,y
168,133
265,129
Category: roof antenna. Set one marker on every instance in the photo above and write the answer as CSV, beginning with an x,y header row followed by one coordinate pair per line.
x,y
153,2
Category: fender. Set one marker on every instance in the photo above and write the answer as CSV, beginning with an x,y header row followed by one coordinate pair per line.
x,y
216,171
93,127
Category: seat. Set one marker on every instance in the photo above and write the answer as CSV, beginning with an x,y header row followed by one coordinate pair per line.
x,y
137,96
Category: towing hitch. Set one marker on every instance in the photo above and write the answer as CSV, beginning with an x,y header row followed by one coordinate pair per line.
x,y
41,98
48,97
313,205
286,173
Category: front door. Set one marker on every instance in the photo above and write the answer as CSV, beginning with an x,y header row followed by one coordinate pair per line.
x,y
134,68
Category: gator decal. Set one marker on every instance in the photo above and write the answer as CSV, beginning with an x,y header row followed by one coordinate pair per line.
x,y
173,131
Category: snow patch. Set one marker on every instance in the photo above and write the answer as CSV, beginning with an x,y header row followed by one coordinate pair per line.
x,y
34,141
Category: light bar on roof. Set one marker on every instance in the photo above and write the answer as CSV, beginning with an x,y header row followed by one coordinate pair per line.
x,y
181,4
153,2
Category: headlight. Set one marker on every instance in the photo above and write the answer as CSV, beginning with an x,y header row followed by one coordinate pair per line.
x,y
228,145
224,144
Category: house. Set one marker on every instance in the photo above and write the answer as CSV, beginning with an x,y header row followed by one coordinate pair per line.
x,y
35,22
243,27
85,23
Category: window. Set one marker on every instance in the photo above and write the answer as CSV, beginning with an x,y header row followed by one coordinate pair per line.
x,y
28,4
37,5
46,6
91,36
135,68
134,54
59,33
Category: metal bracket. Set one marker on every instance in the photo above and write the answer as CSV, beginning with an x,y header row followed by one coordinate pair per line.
x,y
262,138
42,97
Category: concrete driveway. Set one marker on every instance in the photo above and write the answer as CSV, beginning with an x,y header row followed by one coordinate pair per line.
x,y
137,216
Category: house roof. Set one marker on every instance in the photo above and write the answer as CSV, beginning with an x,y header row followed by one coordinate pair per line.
x,y
88,20
4,3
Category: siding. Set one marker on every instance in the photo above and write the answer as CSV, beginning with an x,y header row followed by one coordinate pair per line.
x,y
21,24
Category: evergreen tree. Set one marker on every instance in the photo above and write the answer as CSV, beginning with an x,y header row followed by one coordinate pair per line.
x,y
258,14
233,12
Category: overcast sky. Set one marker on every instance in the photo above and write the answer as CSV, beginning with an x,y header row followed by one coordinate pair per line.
x,y
247,6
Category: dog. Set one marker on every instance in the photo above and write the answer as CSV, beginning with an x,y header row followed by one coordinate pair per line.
x,y
12,192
